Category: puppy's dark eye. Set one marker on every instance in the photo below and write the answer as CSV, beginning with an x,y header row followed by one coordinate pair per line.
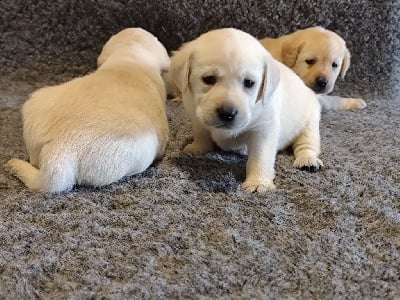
x,y
248,83
310,61
209,80
334,65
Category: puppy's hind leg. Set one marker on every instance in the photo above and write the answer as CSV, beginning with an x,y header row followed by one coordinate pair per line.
x,y
338,103
306,147
58,169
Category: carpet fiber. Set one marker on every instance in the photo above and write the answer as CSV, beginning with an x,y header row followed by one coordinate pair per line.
x,y
184,228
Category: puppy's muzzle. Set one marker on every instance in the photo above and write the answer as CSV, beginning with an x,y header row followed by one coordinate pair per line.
x,y
320,85
227,113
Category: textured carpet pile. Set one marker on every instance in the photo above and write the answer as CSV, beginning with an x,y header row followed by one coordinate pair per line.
x,y
184,228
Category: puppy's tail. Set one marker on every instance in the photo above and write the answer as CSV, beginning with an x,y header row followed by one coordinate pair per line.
x,y
25,172
55,175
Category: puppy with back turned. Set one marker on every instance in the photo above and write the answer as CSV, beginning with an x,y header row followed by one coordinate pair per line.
x,y
96,129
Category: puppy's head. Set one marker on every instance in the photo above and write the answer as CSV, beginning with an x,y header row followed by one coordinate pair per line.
x,y
134,45
227,75
318,56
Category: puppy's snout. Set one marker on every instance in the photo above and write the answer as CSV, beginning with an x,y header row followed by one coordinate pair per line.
x,y
227,113
321,82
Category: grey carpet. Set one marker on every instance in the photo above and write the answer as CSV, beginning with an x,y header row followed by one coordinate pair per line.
x,y
183,228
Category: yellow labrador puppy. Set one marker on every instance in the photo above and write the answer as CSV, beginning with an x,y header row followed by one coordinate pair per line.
x,y
96,129
242,99
318,56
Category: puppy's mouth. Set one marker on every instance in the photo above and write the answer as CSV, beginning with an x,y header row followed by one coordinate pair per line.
x,y
236,125
226,126
319,90
217,124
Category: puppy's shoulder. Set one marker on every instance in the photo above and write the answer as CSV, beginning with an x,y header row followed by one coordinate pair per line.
x,y
292,86
286,73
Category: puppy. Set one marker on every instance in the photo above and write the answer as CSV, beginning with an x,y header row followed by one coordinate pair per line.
x,y
238,97
96,129
318,56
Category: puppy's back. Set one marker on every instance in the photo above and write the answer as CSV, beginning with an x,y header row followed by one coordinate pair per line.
x,y
95,129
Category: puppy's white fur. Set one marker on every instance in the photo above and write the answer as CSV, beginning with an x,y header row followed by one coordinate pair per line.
x,y
278,110
96,129
316,53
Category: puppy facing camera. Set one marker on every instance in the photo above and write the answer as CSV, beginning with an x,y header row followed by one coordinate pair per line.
x,y
241,99
96,129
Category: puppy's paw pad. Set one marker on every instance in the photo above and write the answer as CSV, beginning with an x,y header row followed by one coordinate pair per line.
x,y
257,186
196,149
311,169
354,103
310,164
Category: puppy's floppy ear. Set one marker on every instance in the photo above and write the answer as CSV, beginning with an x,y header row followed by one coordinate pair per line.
x,y
345,63
271,79
180,66
290,51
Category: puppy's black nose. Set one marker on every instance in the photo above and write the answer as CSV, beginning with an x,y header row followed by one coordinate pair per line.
x,y
227,113
321,82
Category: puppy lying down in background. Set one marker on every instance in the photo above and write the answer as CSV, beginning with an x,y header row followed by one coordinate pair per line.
x,y
241,99
318,56
96,129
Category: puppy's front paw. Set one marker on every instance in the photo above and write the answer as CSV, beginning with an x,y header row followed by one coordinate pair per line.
x,y
176,100
258,186
307,163
353,103
197,149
